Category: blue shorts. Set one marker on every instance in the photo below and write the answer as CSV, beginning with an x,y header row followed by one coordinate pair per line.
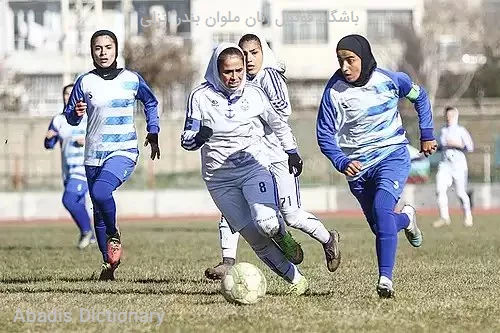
x,y
74,185
120,166
390,175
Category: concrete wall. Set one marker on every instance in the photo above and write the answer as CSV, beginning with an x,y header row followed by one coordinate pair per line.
x,y
28,206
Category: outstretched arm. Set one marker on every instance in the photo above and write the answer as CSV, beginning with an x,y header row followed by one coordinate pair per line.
x,y
52,135
147,97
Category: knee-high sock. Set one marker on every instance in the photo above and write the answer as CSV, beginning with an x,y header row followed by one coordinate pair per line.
x,y
308,223
75,204
100,233
102,196
386,237
228,240
270,254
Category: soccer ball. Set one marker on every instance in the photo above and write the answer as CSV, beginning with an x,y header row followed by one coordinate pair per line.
x,y
244,284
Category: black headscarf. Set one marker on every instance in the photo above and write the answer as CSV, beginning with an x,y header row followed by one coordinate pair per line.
x,y
361,47
108,73
71,85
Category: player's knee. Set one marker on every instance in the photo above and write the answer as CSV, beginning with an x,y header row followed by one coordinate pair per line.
x,y
69,200
292,217
269,225
102,191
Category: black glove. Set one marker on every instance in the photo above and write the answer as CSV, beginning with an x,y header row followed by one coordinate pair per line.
x,y
295,164
203,135
152,139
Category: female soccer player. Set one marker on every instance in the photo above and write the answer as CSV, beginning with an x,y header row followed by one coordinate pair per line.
x,y
224,119
72,140
108,94
359,129
263,69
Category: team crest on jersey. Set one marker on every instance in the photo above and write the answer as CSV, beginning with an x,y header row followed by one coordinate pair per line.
x,y
245,105
229,113
90,95
215,103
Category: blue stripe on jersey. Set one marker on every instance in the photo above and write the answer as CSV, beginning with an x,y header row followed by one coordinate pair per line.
x,y
119,137
130,85
276,84
78,131
122,103
192,124
399,131
378,109
70,155
120,120
101,154
385,87
384,124
190,100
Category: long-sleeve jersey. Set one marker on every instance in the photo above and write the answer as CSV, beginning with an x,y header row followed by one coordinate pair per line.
x,y
71,151
110,107
237,128
454,155
273,84
363,123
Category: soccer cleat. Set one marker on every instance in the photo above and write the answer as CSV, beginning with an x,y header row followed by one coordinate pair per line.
x,y
114,247
469,222
384,288
85,240
219,272
290,248
412,232
299,288
108,271
332,251
441,223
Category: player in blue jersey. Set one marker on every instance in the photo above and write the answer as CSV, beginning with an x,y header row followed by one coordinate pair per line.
x,y
360,130
71,140
107,95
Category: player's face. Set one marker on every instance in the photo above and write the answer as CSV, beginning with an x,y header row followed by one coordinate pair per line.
x,y
350,64
253,56
231,71
104,51
67,93
450,117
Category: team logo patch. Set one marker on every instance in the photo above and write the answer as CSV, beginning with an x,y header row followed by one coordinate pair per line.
x,y
229,114
215,103
245,105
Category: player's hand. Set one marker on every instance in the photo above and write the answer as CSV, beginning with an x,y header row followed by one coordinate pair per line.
x,y
428,147
152,139
203,135
51,133
353,168
80,108
295,164
80,142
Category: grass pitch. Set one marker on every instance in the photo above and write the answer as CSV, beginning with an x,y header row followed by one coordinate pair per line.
x,y
451,284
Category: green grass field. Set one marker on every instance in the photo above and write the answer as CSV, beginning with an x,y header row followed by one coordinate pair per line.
x,y
451,284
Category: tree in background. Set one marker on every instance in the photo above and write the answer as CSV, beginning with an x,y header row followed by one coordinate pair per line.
x,y
164,62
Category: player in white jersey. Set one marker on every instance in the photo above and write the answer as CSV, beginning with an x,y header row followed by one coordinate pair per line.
x,y
455,140
359,129
108,94
263,69
225,118
72,140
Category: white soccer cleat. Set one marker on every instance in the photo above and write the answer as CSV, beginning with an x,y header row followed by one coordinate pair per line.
x,y
412,232
441,223
385,288
469,222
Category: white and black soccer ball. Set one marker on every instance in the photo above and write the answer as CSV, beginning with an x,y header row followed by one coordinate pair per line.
x,y
244,284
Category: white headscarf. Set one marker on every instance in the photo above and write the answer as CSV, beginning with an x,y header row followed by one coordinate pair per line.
x,y
269,59
212,74
454,119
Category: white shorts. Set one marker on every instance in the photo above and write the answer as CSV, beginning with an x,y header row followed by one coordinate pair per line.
x,y
288,187
449,175
251,198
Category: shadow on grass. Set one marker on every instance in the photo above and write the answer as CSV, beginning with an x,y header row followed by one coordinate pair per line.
x,y
91,291
31,248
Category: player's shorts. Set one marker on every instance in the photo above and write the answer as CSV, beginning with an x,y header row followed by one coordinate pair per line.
x,y
120,166
75,185
449,174
390,175
252,198
288,187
